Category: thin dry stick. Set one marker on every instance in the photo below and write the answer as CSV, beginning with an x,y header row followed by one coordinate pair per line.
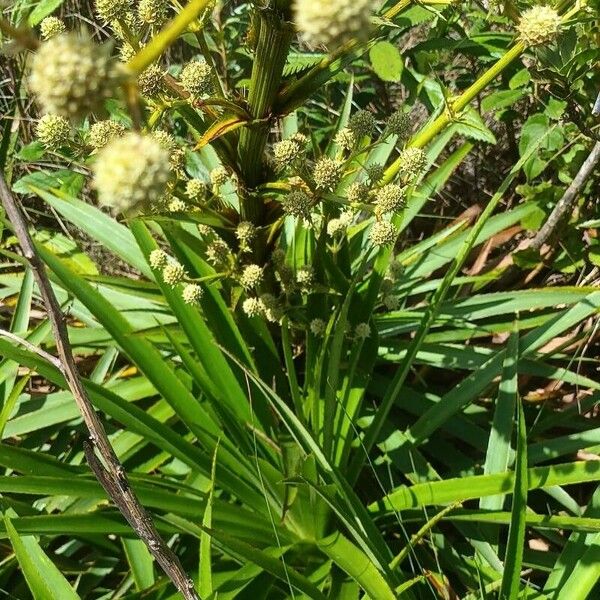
x,y
564,207
105,464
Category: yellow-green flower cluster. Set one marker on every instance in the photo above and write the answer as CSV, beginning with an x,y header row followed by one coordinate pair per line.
x,y
103,132
50,27
196,78
328,173
383,233
539,25
53,131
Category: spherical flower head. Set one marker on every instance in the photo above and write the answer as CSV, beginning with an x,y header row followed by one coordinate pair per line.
x,y
153,12
165,139
253,307
340,225
305,276
539,25
271,307
132,23
345,138
362,331
177,205
328,173
389,198
412,162
383,233
196,78
245,232
72,77
131,171
51,26
110,10
103,132
278,257
332,22
286,152
362,123
219,176
151,81
357,193
300,139
192,293
317,327
375,172
217,252
173,274
195,190
297,204
391,302
398,123
252,275
126,52
53,131
158,258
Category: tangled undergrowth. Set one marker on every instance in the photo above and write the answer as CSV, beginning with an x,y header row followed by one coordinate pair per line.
x,y
354,355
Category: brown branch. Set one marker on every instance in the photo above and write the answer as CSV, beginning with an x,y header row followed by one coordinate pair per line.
x,y
100,455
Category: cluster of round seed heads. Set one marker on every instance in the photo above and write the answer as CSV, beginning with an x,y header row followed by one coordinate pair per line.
x,y
252,275
219,176
328,173
173,273
196,78
111,10
412,162
383,233
158,258
71,76
389,198
50,27
345,138
297,204
539,25
103,132
332,22
153,12
317,327
286,152
362,331
362,123
53,131
217,252
398,123
151,81
357,193
195,190
253,307
131,171
192,293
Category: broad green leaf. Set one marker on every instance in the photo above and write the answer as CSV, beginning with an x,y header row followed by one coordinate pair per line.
x,y
386,61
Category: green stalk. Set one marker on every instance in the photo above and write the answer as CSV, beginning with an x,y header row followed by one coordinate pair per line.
x,y
274,37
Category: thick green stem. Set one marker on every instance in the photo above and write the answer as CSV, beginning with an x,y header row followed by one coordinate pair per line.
x,y
274,37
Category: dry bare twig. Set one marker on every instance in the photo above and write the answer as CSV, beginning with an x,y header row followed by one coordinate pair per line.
x,y
99,453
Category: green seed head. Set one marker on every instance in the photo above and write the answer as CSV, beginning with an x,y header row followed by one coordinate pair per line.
x,y
110,10
332,22
50,27
328,173
158,258
196,78
375,172
53,131
245,232
153,12
131,171
151,81
217,253
286,152
398,123
362,331
539,25
412,162
317,327
72,77
219,176
173,274
297,204
192,293
362,123
252,275
345,138
103,132
383,233
195,190
389,198
357,193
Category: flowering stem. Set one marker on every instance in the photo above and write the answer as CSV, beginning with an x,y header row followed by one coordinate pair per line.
x,y
274,39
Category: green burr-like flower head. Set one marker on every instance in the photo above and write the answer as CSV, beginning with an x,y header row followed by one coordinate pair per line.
x,y
103,132
539,25
50,27
131,171
328,173
383,233
53,131
72,76
196,78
